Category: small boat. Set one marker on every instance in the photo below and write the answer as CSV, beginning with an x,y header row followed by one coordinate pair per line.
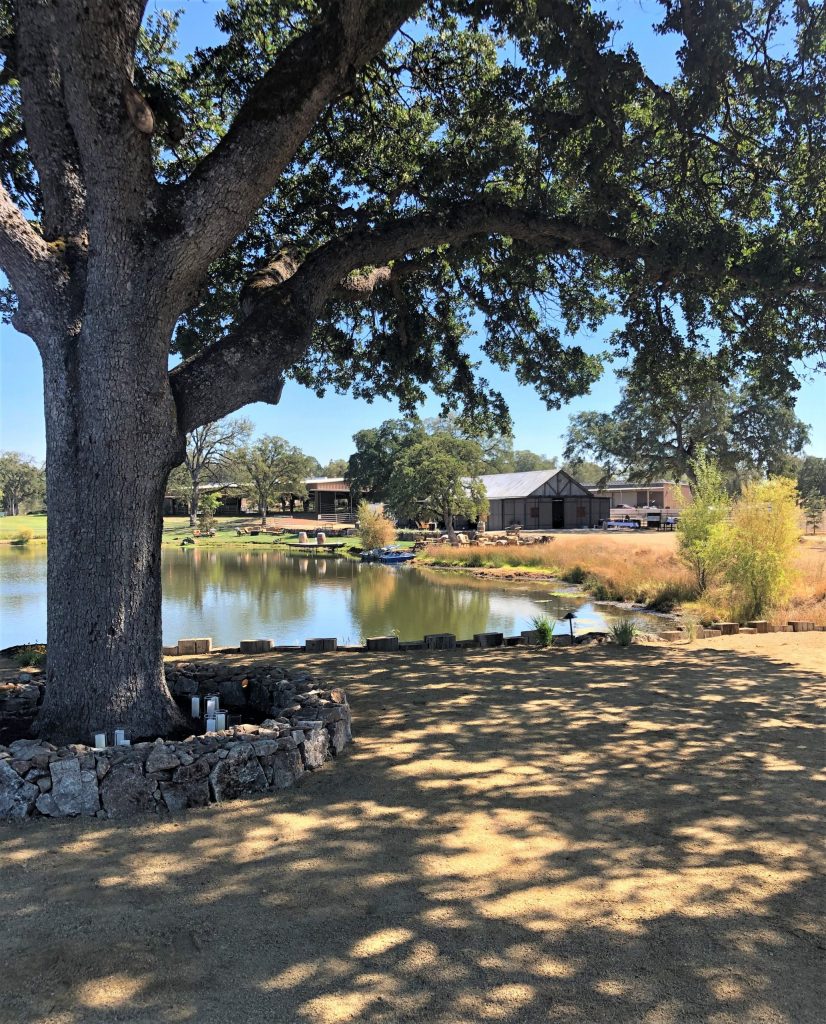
x,y
387,556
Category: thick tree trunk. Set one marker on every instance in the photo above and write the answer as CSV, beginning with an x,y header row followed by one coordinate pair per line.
x,y
111,442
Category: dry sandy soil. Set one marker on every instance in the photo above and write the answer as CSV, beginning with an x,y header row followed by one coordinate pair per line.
x,y
578,836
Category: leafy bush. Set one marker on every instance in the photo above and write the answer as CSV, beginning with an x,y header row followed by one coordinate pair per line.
x,y
376,530
30,657
623,632
755,549
22,537
545,628
576,574
701,518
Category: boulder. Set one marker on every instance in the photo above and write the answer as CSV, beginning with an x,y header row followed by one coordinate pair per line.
x,y
17,797
125,791
238,774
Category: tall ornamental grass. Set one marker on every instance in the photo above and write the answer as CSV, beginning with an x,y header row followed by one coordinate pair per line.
x,y
376,530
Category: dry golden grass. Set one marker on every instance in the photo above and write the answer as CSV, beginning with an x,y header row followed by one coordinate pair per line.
x,y
644,568
614,567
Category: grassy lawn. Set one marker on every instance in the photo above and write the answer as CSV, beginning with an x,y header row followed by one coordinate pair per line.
x,y
11,526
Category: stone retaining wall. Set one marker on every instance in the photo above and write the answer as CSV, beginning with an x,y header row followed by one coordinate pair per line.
x,y
308,726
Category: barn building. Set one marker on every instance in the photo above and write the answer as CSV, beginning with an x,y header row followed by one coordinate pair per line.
x,y
544,499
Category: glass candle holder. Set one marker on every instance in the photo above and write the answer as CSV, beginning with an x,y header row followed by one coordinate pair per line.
x,y
196,707
220,720
98,740
212,704
210,724
122,739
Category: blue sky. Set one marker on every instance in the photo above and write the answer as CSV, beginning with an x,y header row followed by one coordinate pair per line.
x,y
323,427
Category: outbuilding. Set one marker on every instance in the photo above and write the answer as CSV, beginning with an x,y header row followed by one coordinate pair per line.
x,y
544,499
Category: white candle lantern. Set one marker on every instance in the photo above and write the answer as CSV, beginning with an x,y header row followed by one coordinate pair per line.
x,y
221,720
211,706
210,724
120,738
196,707
100,740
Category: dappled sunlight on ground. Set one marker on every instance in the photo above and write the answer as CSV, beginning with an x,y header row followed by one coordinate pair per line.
x,y
579,835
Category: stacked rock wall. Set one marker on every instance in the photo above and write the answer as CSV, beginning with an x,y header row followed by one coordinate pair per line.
x,y
307,726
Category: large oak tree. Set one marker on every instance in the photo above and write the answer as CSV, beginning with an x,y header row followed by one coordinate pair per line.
x,y
328,196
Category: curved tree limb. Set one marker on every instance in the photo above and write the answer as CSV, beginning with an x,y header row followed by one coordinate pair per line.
x,y
29,266
277,319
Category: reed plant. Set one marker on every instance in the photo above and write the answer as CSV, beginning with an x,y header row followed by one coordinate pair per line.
x,y
544,628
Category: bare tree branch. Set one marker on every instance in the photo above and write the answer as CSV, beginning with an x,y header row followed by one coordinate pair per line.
x,y
224,191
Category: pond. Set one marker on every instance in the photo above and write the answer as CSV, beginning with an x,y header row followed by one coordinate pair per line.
x,y
234,594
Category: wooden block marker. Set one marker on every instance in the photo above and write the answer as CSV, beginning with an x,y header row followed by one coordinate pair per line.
x,y
321,644
195,645
748,629
382,643
728,628
171,651
801,625
440,641
255,646
530,636
489,639
672,634
710,631
759,625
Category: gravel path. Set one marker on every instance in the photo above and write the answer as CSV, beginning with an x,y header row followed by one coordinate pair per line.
x,y
577,836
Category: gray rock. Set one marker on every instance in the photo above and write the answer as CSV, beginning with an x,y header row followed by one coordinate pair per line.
x,y
125,791
315,749
238,775
265,747
287,766
338,736
66,794
31,750
161,758
17,797
189,787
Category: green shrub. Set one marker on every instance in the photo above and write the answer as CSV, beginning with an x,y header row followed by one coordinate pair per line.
x,y
576,574
545,628
22,537
701,519
623,632
30,657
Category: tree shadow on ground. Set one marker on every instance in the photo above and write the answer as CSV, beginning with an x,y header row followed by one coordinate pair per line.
x,y
580,836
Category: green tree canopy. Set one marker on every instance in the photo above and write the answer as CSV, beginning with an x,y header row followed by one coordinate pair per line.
x,y
811,475
672,409
22,483
437,477
272,470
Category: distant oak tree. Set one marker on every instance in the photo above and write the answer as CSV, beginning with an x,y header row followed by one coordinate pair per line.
x,y
334,195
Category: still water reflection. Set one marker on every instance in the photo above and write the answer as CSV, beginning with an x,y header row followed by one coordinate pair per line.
x,y
232,595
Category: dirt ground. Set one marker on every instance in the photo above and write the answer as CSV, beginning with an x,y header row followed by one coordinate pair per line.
x,y
581,836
